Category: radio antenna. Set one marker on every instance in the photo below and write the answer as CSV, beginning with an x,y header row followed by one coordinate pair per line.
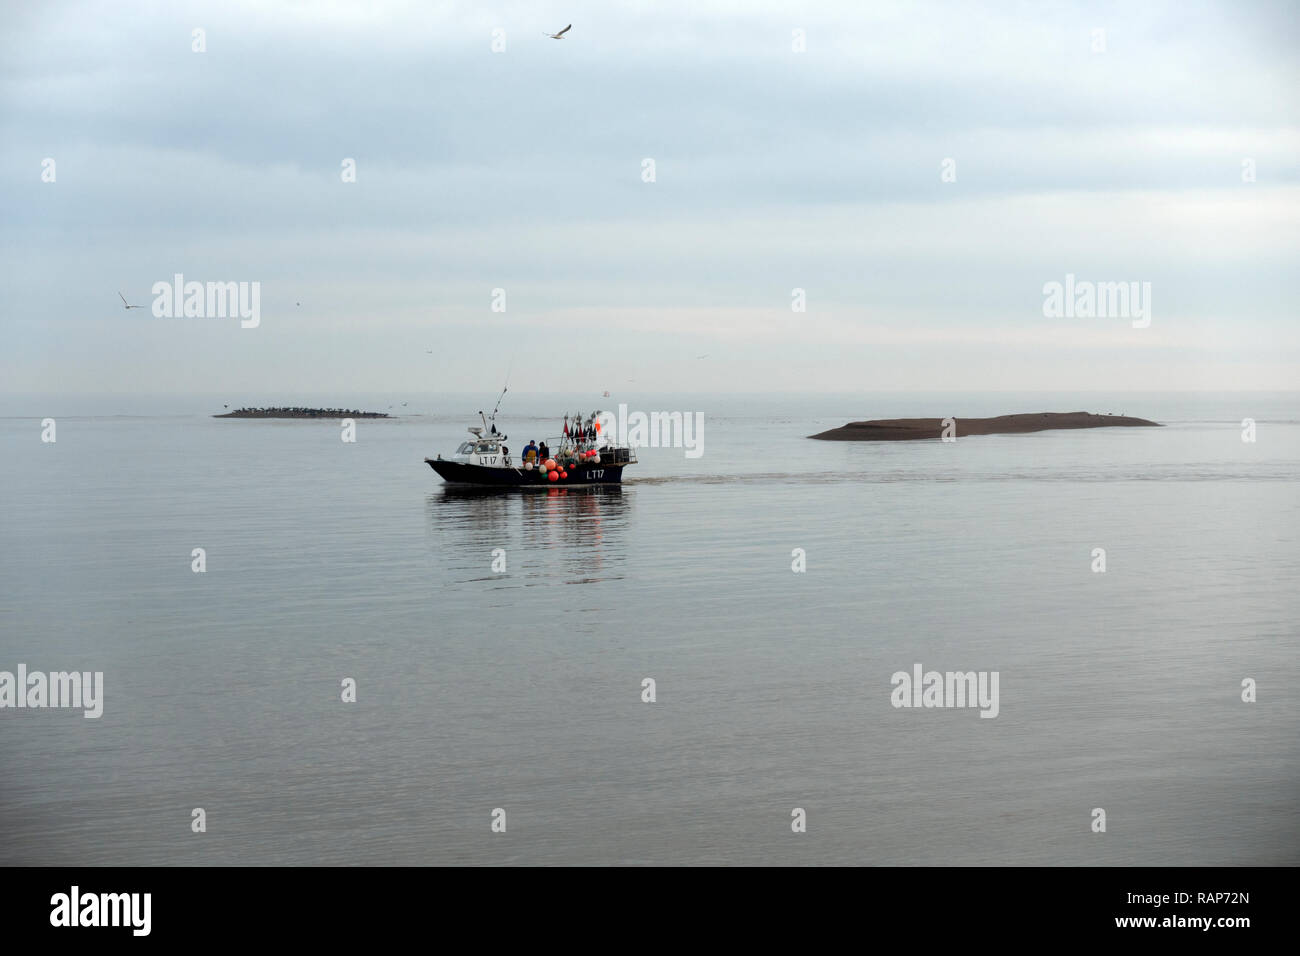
x,y
505,388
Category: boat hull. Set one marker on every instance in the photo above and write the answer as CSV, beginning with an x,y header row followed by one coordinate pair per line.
x,y
460,473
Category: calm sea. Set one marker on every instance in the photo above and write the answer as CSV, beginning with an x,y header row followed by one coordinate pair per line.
x,y
522,689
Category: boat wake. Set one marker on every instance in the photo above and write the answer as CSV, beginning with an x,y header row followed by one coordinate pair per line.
x,y
891,477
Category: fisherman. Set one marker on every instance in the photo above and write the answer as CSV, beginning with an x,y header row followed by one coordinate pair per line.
x,y
530,453
543,452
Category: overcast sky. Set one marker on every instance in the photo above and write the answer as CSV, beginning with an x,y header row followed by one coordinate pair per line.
x,y
774,170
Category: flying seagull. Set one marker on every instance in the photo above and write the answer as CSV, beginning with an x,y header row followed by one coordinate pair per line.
x,y
127,304
560,35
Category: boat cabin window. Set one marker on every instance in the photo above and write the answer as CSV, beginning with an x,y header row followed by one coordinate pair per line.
x,y
487,448
465,448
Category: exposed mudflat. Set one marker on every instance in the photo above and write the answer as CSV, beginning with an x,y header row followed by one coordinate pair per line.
x,y
915,429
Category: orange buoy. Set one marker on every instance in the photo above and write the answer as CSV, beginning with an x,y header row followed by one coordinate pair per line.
x,y
550,464
552,476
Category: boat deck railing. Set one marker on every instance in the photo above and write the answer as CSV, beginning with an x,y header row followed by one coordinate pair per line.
x,y
609,454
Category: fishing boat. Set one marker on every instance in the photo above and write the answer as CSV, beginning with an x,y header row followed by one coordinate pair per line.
x,y
579,456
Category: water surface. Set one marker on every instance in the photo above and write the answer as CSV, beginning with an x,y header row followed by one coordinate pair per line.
x,y
522,690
